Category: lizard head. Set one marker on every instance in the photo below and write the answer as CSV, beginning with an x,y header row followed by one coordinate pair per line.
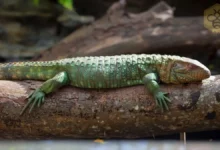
x,y
186,70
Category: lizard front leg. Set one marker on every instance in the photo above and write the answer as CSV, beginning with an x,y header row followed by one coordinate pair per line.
x,y
150,81
51,85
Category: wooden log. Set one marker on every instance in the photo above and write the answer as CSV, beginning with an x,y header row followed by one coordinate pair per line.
x,y
153,31
111,113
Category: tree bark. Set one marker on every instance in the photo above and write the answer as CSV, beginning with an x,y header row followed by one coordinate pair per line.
x,y
153,31
110,113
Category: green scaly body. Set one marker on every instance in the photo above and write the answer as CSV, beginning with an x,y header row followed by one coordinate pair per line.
x,y
106,72
87,72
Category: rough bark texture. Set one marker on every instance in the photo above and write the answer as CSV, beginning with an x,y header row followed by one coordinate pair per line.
x,y
153,31
111,113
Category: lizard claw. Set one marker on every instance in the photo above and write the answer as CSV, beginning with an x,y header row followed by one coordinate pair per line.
x,y
162,100
36,98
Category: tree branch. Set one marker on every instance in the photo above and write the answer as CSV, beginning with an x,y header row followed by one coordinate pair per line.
x,y
124,113
153,31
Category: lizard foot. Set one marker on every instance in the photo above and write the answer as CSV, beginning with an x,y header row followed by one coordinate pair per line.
x,y
36,98
162,100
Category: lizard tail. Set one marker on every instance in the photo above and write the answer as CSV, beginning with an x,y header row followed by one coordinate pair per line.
x,y
28,70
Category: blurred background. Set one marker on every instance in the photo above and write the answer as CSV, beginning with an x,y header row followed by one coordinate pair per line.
x,y
52,29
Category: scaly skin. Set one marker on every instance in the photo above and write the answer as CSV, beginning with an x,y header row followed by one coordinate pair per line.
x,y
107,72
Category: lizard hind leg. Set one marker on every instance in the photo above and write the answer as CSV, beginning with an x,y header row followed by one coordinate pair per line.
x,y
51,85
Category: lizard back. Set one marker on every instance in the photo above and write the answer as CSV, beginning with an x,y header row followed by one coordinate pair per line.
x,y
110,71
87,72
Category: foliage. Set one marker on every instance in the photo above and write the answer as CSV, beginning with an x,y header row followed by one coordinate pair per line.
x,y
68,4
36,2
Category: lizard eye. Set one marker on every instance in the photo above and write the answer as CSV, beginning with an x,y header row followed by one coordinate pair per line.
x,y
177,65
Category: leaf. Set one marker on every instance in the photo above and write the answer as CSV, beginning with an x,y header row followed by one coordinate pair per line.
x,y
36,2
68,4
100,141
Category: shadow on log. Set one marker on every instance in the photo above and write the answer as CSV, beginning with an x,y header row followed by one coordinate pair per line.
x,y
154,31
111,113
